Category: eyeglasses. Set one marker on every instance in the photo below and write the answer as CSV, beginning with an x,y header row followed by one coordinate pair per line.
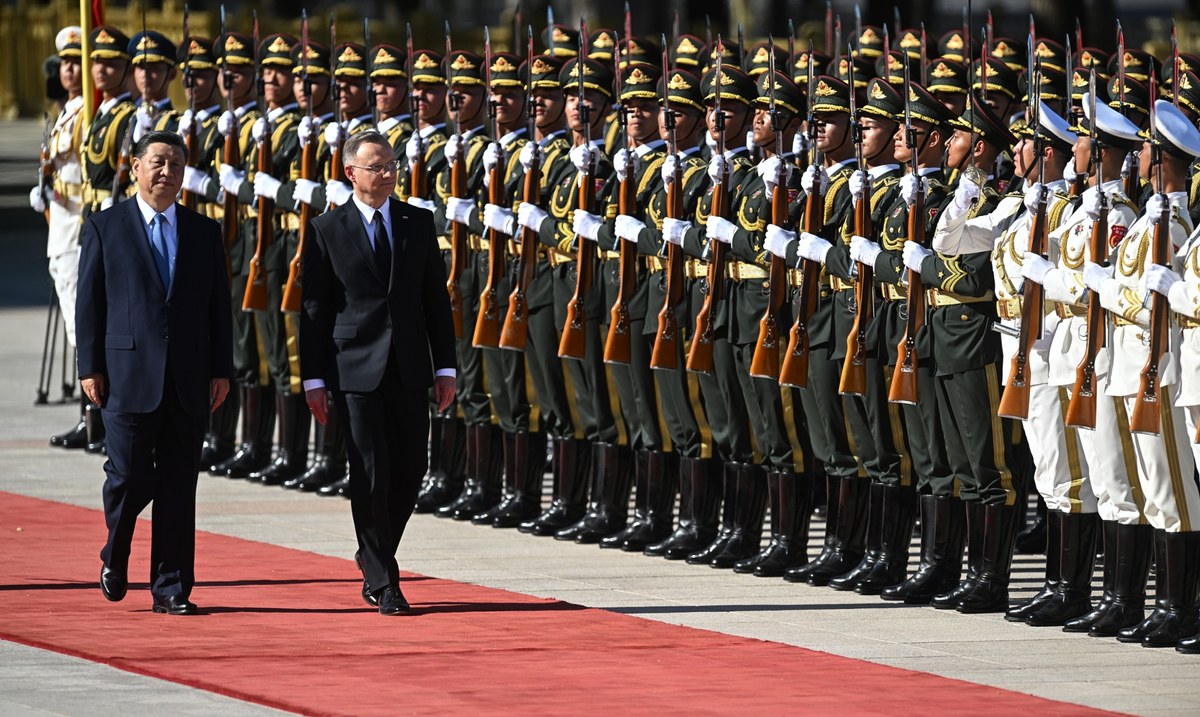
x,y
386,168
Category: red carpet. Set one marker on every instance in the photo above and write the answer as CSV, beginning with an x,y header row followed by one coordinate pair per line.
x,y
287,629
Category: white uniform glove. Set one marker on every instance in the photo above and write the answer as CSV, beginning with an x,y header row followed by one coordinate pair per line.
x,y
1154,207
586,224
338,192
1095,275
1070,174
227,123
307,129
750,143
426,204
1159,279
333,135
813,177
414,148
622,156
106,203
451,148
719,166
799,143
965,193
529,152
768,169
142,122
670,168
778,240
196,181
1035,267
459,210
304,190
629,228
864,250
813,247
858,184
908,188
231,178
584,158
498,218
531,216
186,120
1032,193
1091,204
38,202
266,186
914,254
491,156
721,229
259,129
674,229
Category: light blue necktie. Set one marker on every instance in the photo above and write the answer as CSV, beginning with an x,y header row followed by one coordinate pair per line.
x,y
162,257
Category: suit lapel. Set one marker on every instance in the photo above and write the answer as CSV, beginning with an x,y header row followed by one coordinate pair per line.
x,y
353,224
399,214
183,249
136,231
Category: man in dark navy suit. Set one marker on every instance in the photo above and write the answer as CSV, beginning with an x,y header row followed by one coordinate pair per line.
x,y
155,351
376,333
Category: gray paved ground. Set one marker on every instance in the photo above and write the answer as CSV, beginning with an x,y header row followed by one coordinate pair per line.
x,y
983,649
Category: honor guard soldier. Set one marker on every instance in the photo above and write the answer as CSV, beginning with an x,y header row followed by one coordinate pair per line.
x,y
389,86
949,83
153,59
352,115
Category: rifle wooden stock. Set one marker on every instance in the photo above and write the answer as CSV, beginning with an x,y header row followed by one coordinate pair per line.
x,y
700,355
487,323
665,354
458,245
255,298
233,157
794,371
45,178
1081,410
187,198
515,332
1147,416
904,376
573,343
121,178
1014,403
294,288
618,345
765,362
854,367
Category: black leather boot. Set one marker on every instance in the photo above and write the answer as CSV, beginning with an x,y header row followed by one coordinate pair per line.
x,y
699,507
77,436
222,430
641,499
335,458
943,528
1183,615
433,470
704,556
571,466
1073,597
489,473
950,599
1083,623
750,508
658,509
258,425
853,501
93,421
612,481
1032,538
790,517
318,474
446,483
510,479
899,514
529,461
873,543
990,593
800,574
472,483
1128,603
748,565
1053,574
292,456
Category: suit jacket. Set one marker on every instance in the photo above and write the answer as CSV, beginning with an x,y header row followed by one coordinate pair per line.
x,y
354,317
132,331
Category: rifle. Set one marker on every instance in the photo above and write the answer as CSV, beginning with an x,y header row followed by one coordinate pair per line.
x,y
794,371
765,362
618,344
255,298
1131,183
337,171
573,343
293,289
1081,411
46,168
1079,184
1014,403
904,376
515,332
232,157
700,355
1146,416
418,185
487,323
458,189
370,61
121,179
190,141
854,367
665,354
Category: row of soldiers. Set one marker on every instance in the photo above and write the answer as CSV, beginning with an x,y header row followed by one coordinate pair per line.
x,y
740,278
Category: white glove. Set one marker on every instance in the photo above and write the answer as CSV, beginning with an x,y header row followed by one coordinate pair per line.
x,y
1091,204
674,229
623,155
864,250
909,185
1159,278
721,229
1035,267
629,228
259,129
768,169
338,192
38,202
307,129
813,247
333,136
812,176
414,148
231,178
586,224
1154,207
304,190
531,216
1032,193
1095,275
778,240
266,186
491,156
196,181
531,151
718,167
106,203
459,210
186,121
451,148
914,254
670,168
584,158
1070,174
965,193
498,218
426,204
227,123
142,122
858,184
750,143
799,143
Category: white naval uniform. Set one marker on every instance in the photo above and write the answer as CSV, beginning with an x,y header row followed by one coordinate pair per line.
x,y
62,244
1112,462
1165,462
1185,301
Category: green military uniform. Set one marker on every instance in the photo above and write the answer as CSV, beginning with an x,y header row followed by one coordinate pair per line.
x,y
105,140
387,63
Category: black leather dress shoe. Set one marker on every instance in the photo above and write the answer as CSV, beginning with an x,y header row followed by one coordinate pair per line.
x,y
369,597
338,487
392,602
113,584
174,605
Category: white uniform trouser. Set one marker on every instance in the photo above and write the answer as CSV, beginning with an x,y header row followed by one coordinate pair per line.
x,y
1060,470
1166,470
64,261
1112,462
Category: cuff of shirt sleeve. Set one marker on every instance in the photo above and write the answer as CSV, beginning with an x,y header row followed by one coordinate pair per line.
x,y
452,373
312,383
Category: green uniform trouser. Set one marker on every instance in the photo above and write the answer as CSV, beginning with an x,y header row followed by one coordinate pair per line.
x,y
272,324
633,381
471,389
541,358
678,392
980,445
926,448
507,383
724,403
248,363
587,381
